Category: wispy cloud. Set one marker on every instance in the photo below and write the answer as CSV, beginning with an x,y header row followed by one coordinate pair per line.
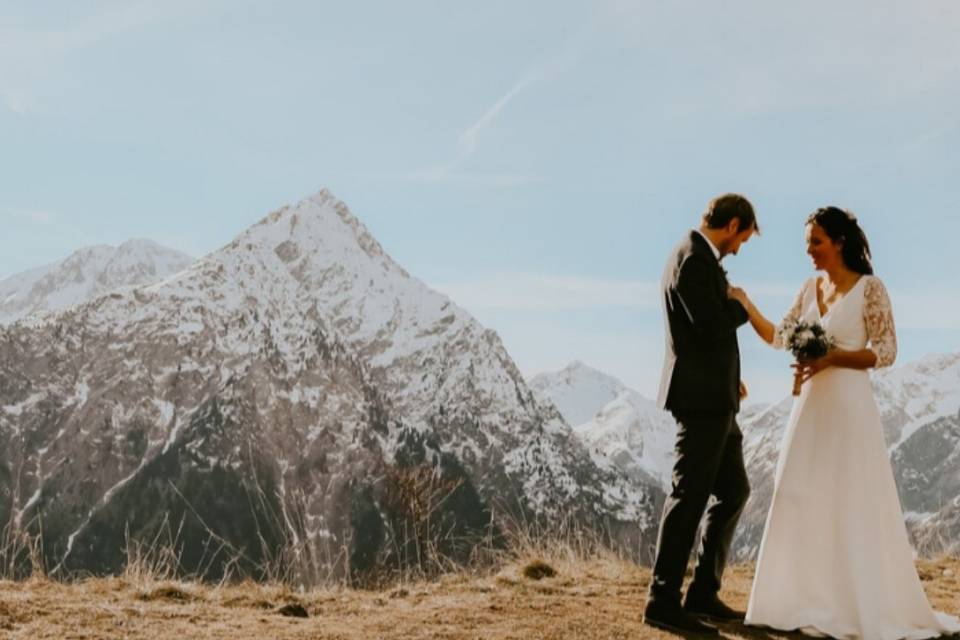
x,y
36,216
543,292
55,228
27,53
540,292
911,308
449,175
14,101
467,143
469,140
926,310
933,136
524,292
818,54
519,307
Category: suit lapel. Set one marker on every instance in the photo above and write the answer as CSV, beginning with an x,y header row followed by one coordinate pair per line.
x,y
700,245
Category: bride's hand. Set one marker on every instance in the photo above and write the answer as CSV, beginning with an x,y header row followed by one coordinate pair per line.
x,y
806,369
738,294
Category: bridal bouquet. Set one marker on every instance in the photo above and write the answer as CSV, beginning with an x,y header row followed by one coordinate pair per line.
x,y
806,341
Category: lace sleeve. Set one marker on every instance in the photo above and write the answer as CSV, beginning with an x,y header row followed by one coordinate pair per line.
x,y
878,316
793,315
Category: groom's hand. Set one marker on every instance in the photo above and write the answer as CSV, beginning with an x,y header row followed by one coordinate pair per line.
x,y
743,390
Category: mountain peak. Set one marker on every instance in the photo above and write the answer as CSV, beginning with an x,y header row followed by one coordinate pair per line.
x,y
320,223
299,357
578,391
578,372
142,244
613,421
581,368
324,196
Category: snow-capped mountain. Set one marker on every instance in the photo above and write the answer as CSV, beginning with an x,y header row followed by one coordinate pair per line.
x,y
264,396
917,394
613,421
85,275
579,392
919,403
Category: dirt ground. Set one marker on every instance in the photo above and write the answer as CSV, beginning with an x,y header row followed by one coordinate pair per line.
x,y
584,601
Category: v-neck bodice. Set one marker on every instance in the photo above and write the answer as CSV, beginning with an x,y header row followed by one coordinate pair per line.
x,y
816,297
863,316
844,320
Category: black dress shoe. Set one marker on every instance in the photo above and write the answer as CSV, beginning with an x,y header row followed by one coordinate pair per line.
x,y
712,608
675,619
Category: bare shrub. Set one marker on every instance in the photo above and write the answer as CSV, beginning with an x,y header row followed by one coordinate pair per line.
x,y
420,541
21,552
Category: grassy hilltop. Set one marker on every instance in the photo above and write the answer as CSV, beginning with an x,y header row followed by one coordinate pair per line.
x,y
545,595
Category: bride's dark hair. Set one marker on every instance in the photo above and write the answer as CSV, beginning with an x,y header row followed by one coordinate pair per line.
x,y
841,226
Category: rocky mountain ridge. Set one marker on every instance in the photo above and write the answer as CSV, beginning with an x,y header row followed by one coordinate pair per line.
x,y
272,397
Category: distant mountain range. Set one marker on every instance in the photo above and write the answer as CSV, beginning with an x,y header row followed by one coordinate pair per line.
x,y
919,404
276,399
273,395
612,420
84,275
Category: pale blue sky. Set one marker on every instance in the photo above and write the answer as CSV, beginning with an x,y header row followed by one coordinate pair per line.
x,y
537,160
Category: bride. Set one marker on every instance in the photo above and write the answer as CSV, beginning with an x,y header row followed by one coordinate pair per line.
x,y
835,559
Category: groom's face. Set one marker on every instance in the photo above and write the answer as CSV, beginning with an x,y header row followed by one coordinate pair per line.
x,y
735,239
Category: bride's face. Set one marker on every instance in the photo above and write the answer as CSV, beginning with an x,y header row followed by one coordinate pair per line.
x,y
825,252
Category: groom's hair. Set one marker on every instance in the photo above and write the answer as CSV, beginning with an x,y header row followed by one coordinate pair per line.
x,y
725,208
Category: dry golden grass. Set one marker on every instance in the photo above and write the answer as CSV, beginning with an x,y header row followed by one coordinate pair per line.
x,y
586,600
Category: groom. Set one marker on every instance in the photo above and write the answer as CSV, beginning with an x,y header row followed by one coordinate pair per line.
x,y
701,387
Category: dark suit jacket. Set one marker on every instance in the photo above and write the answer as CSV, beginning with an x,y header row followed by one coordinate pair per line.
x,y
701,372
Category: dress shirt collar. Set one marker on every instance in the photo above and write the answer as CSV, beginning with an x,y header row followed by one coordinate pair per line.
x,y
716,252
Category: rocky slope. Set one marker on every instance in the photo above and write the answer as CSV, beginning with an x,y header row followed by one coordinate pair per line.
x,y
272,404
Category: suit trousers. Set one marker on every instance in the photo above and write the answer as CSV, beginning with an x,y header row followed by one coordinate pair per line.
x,y
709,463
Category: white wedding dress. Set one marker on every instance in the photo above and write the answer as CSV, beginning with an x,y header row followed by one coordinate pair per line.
x,y
835,558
